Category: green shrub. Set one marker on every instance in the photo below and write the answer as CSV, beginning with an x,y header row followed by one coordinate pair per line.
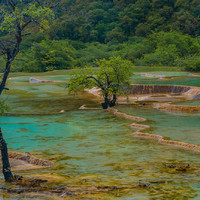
x,y
49,55
191,63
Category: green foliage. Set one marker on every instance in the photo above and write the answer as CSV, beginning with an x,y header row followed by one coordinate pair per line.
x,y
105,21
169,49
185,44
112,76
191,63
91,52
49,55
23,13
3,107
135,48
145,32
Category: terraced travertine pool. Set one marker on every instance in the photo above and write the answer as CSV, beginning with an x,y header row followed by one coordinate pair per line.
x,y
96,147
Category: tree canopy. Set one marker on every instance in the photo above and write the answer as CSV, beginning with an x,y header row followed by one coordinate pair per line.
x,y
84,31
112,76
16,16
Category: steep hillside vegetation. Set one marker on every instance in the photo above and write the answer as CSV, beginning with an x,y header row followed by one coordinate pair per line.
x,y
146,32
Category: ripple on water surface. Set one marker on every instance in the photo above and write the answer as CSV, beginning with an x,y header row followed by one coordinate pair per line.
x,y
100,144
97,144
182,127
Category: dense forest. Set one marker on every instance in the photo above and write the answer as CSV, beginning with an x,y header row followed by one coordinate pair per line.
x,y
145,32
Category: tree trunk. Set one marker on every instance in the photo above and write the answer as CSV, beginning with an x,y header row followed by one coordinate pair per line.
x,y
113,101
106,102
5,160
5,76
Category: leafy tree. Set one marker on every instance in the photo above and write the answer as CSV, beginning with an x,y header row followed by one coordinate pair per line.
x,y
190,63
172,48
49,55
112,77
16,17
91,52
143,29
188,23
185,44
116,35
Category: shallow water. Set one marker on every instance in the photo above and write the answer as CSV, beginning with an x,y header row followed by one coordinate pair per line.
x,y
99,145
175,126
162,78
189,103
185,80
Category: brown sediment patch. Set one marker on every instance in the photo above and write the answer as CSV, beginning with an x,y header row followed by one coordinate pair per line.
x,y
22,161
158,138
161,139
182,108
53,186
140,126
134,118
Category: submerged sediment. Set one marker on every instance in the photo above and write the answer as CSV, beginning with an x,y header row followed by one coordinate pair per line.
x,y
30,159
162,140
134,118
158,138
180,108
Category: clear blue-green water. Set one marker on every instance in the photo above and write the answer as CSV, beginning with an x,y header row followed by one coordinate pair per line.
x,y
179,80
189,103
165,78
175,126
99,144
169,78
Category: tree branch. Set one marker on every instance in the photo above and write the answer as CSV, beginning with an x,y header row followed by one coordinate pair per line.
x,y
26,24
11,4
97,81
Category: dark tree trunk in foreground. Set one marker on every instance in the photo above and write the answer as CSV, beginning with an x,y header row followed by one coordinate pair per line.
x,y
5,76
106,102
5,161
109,103
113,101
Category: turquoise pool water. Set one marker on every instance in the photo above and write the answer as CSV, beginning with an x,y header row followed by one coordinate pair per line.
x,y
175,126
98,144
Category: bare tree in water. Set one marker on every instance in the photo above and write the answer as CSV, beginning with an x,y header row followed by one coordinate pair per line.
x,y
15,18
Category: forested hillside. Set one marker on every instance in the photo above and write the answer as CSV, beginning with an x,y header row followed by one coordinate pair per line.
x,y
146,32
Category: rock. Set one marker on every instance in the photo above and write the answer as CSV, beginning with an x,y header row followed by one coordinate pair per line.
x,y
34,80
